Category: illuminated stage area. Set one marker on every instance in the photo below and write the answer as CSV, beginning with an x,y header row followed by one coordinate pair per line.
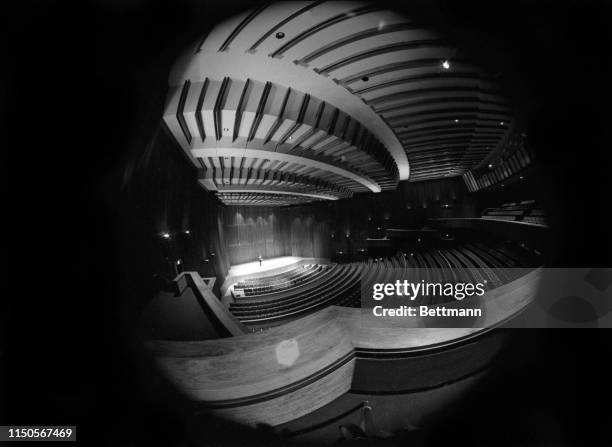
x,y
267,265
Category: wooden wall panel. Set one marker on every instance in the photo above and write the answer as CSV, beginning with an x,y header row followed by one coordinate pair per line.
x,y
161,195
320,230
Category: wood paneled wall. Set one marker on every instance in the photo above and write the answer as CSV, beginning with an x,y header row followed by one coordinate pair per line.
x,y
324,229
161,195
271,232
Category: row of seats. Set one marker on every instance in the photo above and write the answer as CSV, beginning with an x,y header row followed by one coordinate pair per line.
x,y
472,262
330,287
535,216
282,281
525,211
341,284
254,282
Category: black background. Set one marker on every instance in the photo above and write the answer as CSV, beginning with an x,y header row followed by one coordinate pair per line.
x,y
83,88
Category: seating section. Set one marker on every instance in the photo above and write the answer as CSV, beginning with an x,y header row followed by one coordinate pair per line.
x,y
471,262
340,284
535,216
330,286
526,211
282,281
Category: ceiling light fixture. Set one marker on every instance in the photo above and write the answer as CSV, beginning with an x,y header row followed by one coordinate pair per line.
x,y
446,65
280,35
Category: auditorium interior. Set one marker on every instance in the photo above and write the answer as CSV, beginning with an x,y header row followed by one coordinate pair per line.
x,y
292,154
307,149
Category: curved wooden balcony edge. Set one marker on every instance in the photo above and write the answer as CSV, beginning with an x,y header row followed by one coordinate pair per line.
x,y
288,371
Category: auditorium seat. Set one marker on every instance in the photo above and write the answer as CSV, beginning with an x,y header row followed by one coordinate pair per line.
x,y
275,283
526,211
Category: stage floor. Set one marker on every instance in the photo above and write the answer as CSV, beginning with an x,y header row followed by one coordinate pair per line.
x,y
267,264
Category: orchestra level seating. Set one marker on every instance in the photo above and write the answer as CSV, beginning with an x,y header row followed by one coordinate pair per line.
x,y
276,299
527,211
281,281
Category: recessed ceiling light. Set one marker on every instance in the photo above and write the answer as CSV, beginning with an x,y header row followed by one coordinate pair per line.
x,y
166,236
521,177
456,121
490,166
280,35
365,79
501,123
446,65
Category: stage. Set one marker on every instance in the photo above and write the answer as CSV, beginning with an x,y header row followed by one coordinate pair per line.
x,y
268,267
267,264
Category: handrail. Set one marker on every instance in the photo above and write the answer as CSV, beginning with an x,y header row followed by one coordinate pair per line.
x,y
203,291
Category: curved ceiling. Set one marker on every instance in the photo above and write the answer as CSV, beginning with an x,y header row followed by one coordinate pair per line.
x,y
300,101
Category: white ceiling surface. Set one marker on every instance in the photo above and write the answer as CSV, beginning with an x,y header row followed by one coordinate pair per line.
x,y
377,67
